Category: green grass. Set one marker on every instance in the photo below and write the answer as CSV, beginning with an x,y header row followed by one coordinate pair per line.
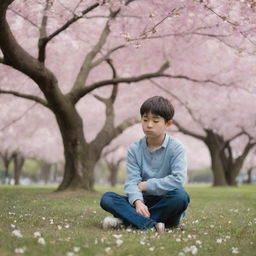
x,y
227,214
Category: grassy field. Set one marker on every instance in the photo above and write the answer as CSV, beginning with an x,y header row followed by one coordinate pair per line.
x,y
220,221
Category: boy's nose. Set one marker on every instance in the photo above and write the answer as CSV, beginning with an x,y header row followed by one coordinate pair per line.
x,y
150,124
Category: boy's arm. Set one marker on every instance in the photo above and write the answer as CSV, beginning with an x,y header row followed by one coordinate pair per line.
x,y
159,186
133,178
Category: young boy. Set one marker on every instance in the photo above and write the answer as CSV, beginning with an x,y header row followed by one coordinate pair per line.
x,y
156,171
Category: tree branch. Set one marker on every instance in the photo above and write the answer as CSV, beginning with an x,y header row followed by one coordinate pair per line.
x,y
87,63
125,124
43,33
109,151
179,100
24,17
194,80
115,85
71,21
18,118
26,96
44,39
234,137
83,91
187,132
106,56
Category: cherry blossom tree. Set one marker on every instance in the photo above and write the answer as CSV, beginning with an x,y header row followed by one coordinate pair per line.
x,y
80,156
198,38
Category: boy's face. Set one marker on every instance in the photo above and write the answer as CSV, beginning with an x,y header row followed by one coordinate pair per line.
x,y
154,125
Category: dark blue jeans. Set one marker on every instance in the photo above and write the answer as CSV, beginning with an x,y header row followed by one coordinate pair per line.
x,y
167,209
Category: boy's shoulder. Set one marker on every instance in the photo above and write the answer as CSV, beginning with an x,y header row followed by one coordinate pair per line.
x,y
170,143
175,143
137,145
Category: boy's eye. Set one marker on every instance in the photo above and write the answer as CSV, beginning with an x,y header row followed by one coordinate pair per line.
x,y
156,121
145,120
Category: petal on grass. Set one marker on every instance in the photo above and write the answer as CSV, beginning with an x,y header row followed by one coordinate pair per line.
x,y
119,242
37,234
20,250
76,249
235,250
108,249
17,233
41,241
117,236
12,226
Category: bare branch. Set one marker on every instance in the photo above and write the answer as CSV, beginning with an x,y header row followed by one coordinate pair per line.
x,y
179,100
173,12
195,80
87,63
106,56
109,151
43,33
71,21
187,132
77,5
103,100
115,85
24,17
18,118
75,96
125,124
235,136
224,18
26,96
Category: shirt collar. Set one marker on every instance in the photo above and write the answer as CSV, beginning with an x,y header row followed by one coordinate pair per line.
x,y
164,144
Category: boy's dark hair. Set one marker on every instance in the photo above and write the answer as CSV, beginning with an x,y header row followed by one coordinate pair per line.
x,y
158,105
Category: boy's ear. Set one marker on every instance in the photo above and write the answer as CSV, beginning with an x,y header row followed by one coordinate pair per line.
x,y
169,123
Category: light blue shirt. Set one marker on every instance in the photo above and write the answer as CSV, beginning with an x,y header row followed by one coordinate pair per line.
x,y
164,169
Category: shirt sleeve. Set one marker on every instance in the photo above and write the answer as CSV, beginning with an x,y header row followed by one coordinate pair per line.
x,y
176,179
133,178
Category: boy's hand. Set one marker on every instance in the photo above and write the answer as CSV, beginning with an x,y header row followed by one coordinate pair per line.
x,y
142,186
141,208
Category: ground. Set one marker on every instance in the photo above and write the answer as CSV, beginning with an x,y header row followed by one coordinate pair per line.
x,y
38,221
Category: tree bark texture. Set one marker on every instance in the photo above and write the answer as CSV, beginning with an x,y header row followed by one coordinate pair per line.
x,y
19,161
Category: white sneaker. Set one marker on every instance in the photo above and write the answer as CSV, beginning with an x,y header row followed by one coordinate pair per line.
x,y
160,228
111,222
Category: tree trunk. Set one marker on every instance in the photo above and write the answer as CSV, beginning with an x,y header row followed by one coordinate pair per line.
x,y
219,178
113,176
45,172
6,162
79,157
215,144
18,160
249,176
232,173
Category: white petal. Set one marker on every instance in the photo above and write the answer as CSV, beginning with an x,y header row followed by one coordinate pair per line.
x,y
119,242
37,234
76,249
17,233
41,241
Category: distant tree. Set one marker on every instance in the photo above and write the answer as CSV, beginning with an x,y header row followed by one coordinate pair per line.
x,y
113,164
6,157
228,148
18,160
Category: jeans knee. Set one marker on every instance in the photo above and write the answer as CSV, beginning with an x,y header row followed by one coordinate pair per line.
x,y
181,198
106,199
